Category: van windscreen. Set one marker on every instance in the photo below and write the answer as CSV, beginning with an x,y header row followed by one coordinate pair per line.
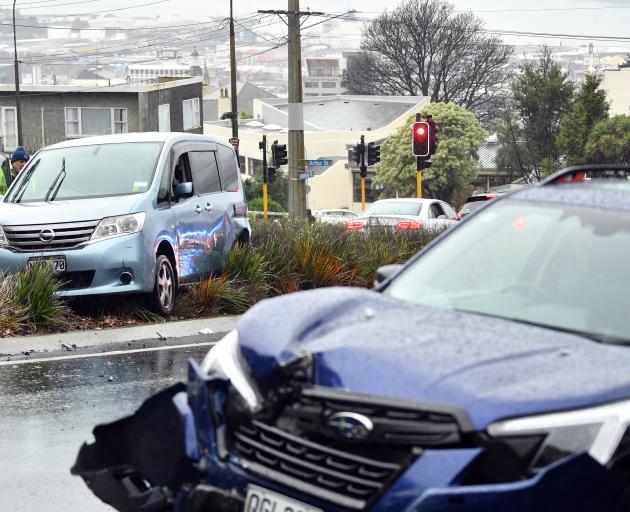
x,y
82,172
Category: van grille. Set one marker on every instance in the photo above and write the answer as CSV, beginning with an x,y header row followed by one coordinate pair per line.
x,y
49,237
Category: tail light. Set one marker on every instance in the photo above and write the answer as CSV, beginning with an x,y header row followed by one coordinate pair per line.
x,y
240,209
355,226
491,196
459,216
408,225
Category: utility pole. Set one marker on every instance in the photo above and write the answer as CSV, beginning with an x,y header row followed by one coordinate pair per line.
x,y
297,189
18,103
233,93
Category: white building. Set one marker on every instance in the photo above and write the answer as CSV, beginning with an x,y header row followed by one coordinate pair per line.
x,y
616,83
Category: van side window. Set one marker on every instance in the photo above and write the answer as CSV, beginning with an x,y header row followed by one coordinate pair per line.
x,y
227,168
165,185
204,172
181,173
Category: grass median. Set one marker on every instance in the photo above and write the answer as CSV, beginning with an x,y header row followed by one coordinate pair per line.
x,y
283,257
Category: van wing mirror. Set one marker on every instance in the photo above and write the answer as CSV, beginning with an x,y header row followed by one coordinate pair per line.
x,y
183,190
385,272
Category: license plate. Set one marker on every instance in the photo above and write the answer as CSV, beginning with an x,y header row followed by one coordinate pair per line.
x,y
262,500
57,263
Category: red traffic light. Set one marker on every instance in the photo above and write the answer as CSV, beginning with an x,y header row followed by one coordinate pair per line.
x,y
421,139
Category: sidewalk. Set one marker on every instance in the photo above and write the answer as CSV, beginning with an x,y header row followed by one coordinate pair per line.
x,y
94,338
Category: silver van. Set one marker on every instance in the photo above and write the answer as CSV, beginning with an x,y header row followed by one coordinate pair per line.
x,y
132,213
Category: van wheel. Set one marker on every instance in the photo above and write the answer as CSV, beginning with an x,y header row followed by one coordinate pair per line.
x,y
165,288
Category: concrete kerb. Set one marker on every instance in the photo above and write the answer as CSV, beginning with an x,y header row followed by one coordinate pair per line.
x,y
94,338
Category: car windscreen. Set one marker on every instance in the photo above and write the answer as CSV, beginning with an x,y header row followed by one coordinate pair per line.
x,y
551,265
471,207
393,208
81,172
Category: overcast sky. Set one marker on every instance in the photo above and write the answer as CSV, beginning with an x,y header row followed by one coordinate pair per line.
x,y
590,17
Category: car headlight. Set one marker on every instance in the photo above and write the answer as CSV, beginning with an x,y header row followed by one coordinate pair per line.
x,y
3,238
225,361
597,431
120,225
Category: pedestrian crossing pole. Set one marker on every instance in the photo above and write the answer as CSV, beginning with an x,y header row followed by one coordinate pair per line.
x,y
418,167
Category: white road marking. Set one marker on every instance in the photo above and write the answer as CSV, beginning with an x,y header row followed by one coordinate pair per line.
x,y
103,354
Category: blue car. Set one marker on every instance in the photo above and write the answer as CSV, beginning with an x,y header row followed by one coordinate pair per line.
x,y
489,373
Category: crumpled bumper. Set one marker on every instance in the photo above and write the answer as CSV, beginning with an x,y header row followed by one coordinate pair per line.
x,y
172,455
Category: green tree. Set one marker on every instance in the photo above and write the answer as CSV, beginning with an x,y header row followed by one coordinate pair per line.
x,y
278,190
589,107
542,95
454,164
256,205
626,63
609,142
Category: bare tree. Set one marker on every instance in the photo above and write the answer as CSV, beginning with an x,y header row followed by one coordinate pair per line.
x,y
424,47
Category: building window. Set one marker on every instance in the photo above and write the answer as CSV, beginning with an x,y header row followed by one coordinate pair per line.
x,y
164,117
311,85
191,114
329,85
82,121
370,193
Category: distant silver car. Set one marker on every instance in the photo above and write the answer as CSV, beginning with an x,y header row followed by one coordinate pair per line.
x,y
406,215
334,216
139,213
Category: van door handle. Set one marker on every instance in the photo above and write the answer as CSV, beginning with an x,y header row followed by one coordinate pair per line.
x,y
209,207
199,209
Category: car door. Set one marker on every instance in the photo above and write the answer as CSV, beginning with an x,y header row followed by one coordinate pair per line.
x,y
191,226
231,195
203,160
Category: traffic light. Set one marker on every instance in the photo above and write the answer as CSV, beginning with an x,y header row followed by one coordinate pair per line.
x,y
373,153
279,154
271,175
433,135
356,154
422,139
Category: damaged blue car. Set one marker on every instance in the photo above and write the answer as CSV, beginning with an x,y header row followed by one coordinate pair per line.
x,y
489,373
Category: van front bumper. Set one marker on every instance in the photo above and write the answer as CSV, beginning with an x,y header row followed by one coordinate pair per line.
x,y
96,268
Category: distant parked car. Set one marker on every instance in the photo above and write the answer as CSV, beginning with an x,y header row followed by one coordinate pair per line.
x,y
331,216
406,215
475,201
133,213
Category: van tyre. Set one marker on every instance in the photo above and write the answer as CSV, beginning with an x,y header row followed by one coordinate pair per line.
x,y
165,287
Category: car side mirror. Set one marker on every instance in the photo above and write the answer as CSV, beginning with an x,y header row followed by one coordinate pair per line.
x,y
385,272
183,190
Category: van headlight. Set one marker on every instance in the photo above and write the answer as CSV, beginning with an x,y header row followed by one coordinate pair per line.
x,y
225,361
598,431
120,225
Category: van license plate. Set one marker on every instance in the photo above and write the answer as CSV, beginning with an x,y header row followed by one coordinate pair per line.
x,y
262,500
57,263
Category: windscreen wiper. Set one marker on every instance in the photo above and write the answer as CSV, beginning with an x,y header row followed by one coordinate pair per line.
x,y
56,184
17,195
599,338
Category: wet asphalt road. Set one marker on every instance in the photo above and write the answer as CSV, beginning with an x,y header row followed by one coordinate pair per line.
x,y
49,408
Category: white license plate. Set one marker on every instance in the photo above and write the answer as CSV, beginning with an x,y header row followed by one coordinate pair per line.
x,y
262,500
58,264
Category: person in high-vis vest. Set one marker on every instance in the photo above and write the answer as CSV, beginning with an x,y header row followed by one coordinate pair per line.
x,y
10,169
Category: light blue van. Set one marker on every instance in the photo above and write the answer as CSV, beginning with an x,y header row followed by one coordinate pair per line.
x,y
132,213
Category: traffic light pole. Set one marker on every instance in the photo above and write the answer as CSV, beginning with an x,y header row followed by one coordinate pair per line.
x,y
263,145
363,169
418,167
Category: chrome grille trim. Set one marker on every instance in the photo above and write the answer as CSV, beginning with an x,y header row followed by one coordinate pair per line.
x,y
25,238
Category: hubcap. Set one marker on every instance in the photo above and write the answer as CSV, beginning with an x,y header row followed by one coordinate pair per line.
x,y
165,286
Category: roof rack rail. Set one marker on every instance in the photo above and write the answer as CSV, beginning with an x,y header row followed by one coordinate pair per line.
x,y
578,173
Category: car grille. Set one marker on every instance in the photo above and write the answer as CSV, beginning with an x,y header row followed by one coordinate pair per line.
x,y
334,475
31,238
299,449
77,280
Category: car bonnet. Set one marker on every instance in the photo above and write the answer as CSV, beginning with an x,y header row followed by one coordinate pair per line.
x,y
369,343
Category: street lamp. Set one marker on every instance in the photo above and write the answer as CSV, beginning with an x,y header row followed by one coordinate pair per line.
x,y
18,106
